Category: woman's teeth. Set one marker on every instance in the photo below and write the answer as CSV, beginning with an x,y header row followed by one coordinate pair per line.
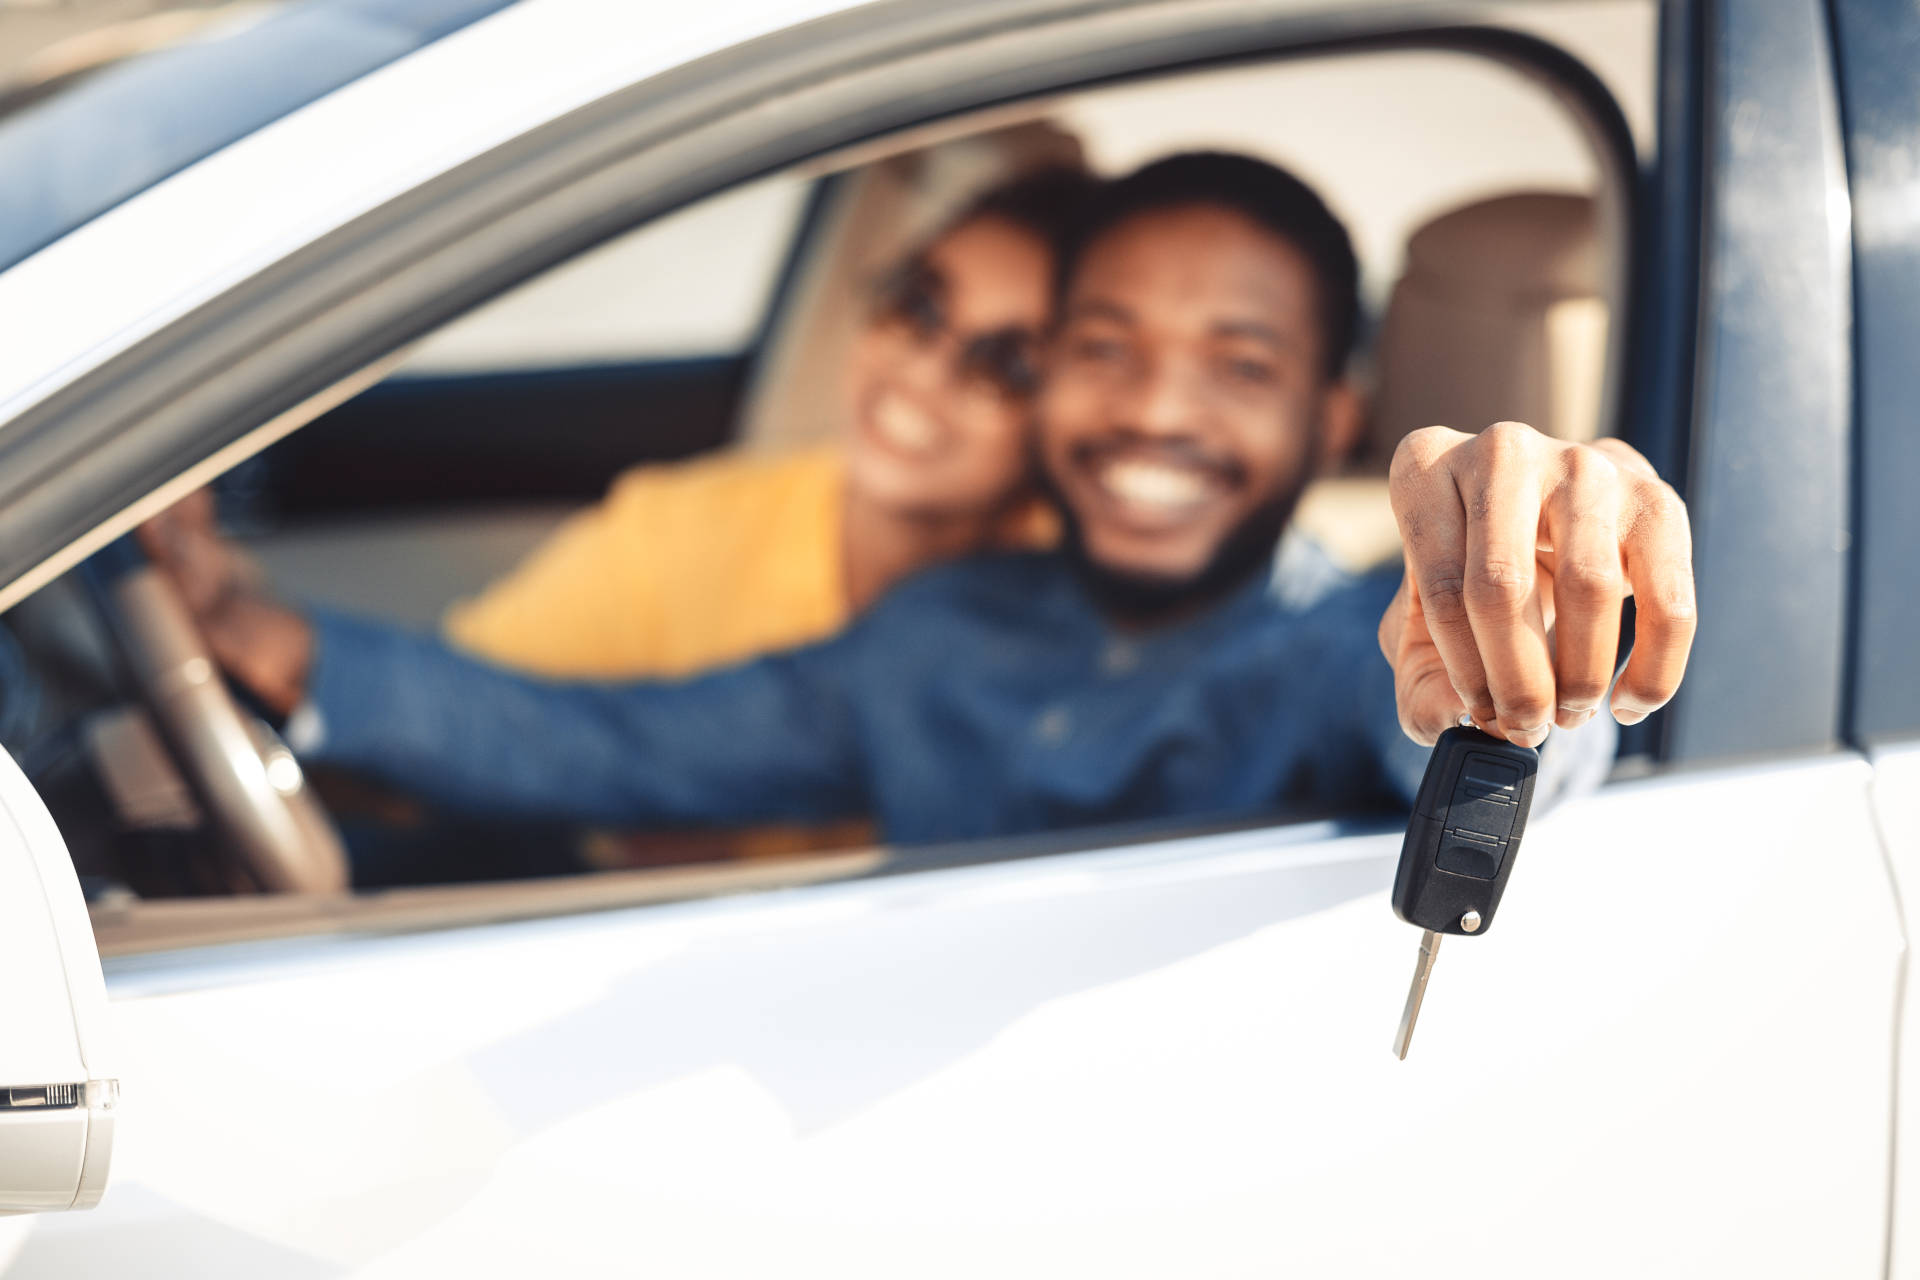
x,y
1154,485
904,427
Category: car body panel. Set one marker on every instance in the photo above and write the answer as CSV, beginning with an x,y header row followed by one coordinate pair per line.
x,y
1126,1062
1896,803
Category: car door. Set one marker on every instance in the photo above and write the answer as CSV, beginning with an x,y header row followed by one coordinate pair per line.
x,y
1675,1055
1881,100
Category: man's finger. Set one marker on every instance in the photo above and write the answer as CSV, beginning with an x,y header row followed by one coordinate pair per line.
x,y
1583,524
1433,532
1659,566
1503,497
1423,694
1428,704
1393,623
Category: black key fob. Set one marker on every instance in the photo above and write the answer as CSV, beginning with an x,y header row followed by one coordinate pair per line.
x,y
1465,832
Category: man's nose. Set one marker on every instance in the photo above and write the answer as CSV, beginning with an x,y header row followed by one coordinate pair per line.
x,y
1170,399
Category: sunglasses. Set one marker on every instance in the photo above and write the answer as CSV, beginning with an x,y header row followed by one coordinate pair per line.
x,y
1004,363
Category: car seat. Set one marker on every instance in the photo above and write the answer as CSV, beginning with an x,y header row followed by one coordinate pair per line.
x,y
1500,313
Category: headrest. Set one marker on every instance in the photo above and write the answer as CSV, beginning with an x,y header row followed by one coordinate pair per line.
x,y
1527,244
1500,313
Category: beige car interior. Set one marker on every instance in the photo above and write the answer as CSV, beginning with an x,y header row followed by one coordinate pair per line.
x,y
1500,313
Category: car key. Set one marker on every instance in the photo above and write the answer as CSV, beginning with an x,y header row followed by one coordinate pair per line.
x,y
1461,842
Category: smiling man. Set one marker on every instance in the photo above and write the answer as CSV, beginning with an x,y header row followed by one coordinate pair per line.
x,y
1156,667
1196,384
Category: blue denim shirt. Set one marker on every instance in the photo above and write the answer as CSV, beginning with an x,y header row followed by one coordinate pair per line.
x,y
986,697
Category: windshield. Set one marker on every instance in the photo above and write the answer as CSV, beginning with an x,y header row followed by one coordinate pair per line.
x,y
73,151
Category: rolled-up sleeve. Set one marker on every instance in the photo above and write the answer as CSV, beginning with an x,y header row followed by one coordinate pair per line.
x,y
774,739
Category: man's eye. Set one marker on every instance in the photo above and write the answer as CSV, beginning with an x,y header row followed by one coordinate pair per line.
x,y
1251,372
1099,350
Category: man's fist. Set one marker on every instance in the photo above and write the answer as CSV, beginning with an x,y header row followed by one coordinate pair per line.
x,y
264,645
1520,549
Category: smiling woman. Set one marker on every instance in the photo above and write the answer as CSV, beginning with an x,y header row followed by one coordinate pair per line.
x,y
713,562
935,466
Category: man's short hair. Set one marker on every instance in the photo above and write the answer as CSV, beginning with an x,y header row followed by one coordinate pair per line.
x,y
1264,194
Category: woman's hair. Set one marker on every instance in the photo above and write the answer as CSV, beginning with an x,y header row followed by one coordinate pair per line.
x,y
1050,203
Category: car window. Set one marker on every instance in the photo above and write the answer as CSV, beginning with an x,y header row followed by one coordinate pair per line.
x,y
695,283
1478,130
666,418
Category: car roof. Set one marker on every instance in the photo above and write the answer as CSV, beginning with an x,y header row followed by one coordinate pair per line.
x,y
149,259
120,131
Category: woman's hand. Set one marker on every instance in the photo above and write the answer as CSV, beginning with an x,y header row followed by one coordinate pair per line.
x,y
1520,549
263,644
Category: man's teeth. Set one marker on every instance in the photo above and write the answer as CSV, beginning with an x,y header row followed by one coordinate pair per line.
x,y
1151,484
905,427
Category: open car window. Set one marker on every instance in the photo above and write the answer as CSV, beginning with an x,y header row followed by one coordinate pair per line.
x,y
720,332
694,284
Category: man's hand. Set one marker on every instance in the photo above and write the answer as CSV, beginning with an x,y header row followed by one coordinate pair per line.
x,y
1520,549
185,541
264,645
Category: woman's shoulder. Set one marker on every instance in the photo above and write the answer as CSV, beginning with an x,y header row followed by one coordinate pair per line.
x,y
733,478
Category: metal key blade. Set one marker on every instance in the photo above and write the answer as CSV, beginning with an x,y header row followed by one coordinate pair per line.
x,y
1422,970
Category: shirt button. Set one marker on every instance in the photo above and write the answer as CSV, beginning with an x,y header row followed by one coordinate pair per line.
x,y
1119,657
1053,726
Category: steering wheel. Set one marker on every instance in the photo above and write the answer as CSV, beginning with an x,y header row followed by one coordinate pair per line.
x,y
235,763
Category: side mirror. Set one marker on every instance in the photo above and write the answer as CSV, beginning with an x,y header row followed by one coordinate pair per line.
x,y
56,1099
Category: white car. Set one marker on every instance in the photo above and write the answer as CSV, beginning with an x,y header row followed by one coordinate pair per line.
x,y
1100,1053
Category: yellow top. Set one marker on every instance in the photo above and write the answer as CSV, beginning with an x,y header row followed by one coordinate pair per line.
x,y
682,568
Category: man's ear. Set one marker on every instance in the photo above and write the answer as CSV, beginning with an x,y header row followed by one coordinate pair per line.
x,y
1343,414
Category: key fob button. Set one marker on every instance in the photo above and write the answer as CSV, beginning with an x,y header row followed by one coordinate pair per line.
x,y
1487,817
1466,854
1483,776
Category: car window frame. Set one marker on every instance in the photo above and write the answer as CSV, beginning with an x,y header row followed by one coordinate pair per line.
x,y
1768,436
543,172
1881,118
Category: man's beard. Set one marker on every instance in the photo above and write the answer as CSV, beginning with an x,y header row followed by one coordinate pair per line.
x,y
1148,597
